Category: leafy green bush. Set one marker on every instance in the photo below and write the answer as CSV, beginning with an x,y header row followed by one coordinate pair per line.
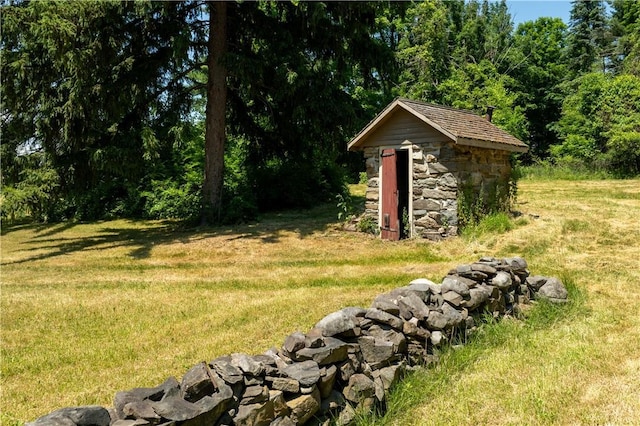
x,y
368,225
168,199
34,196
600,125
362,178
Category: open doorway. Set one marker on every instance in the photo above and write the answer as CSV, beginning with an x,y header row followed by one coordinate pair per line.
x,y
395,214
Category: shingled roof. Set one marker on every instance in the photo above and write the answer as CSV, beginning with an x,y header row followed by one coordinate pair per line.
x,y
461,126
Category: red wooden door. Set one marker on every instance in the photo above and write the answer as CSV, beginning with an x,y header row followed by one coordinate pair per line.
x,y
390,225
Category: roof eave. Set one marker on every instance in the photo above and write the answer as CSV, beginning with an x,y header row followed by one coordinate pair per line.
x,y
492,145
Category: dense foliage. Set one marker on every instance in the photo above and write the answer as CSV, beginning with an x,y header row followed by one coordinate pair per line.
x,y
118,108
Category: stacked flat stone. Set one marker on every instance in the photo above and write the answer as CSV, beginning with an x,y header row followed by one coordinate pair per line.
x,y
349,361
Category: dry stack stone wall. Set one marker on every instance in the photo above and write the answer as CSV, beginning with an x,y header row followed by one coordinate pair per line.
x,y
347,362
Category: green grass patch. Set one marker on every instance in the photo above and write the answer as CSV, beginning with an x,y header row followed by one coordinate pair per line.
x,y
422,387
497,223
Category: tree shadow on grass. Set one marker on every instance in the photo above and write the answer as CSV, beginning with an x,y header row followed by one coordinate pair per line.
x,y
141,240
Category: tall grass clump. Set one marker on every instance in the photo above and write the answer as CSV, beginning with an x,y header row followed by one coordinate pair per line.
x,y
562,170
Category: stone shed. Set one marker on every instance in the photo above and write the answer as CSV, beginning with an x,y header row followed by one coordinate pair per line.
x,y
421,158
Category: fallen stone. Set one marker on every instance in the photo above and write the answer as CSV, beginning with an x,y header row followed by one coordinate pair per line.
x,y
536,281
553,290
89,415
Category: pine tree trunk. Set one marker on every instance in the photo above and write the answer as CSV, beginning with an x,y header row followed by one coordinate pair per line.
x,y
215,135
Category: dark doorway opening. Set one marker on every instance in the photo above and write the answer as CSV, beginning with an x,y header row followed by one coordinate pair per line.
x,y
402,170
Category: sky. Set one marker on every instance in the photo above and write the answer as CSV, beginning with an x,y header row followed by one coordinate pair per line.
x,y
530,10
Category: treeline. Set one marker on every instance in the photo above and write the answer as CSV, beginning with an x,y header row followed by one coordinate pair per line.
x,y
215,111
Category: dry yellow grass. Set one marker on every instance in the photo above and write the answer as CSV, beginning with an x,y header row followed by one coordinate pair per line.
x,y
91,309
582,371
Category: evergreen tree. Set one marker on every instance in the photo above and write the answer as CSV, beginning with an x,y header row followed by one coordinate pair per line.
x,y
589,37
626,30
110,87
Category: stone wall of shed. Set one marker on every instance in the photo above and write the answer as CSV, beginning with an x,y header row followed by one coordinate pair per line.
x,y
371,205
435,190
441,170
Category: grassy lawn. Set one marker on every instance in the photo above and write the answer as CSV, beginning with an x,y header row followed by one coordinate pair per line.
x,y
91,309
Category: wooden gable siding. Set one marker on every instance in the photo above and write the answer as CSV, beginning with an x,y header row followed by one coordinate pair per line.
x,y
402,126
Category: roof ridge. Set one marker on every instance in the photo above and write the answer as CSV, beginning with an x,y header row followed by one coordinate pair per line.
x,y
446,107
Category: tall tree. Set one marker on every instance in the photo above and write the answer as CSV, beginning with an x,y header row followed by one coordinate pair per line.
x,y
539,69
110,85
588,36
96,85
626,30
215,130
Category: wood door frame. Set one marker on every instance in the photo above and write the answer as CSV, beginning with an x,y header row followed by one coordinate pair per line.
x,y
406,145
